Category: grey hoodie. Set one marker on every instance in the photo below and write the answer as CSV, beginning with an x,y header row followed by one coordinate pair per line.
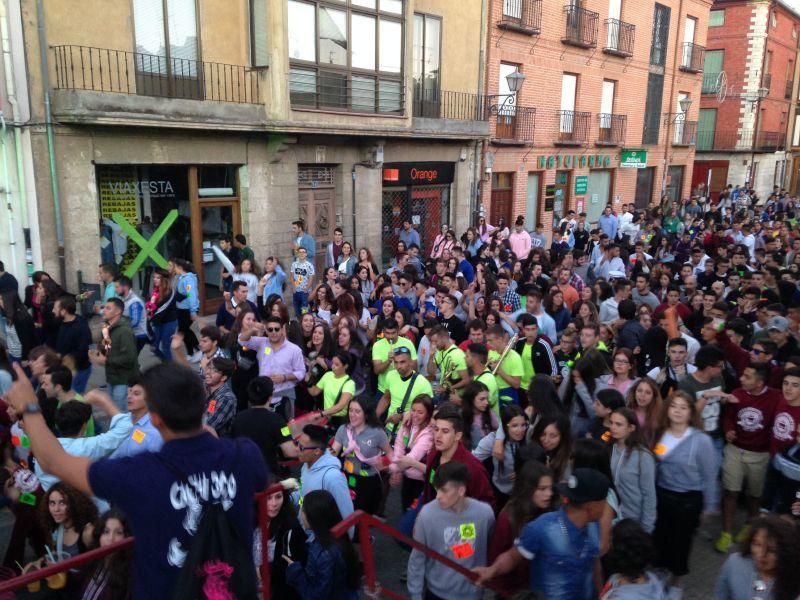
x,y
653,589
462,537
634,474
737,579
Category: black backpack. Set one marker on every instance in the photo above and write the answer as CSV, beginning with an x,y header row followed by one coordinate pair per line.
x,y
218,561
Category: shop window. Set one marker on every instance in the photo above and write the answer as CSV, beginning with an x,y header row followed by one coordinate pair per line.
x,y
216,181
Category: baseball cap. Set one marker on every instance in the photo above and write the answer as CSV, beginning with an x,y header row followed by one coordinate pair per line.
x,y
778,324
585,485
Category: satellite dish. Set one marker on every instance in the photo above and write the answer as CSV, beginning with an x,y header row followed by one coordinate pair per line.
x,y
722,86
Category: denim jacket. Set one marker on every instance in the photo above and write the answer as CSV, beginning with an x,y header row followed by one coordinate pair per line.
x,y
324,576
561,556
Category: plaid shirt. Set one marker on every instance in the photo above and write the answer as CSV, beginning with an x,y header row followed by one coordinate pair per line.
x,y
511,299
221,408
577,282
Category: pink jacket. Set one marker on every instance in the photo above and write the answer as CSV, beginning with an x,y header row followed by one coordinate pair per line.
x,y
419,449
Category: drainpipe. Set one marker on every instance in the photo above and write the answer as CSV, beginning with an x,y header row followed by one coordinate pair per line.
x,y
353,172
48,116
678,46
476,176
12,241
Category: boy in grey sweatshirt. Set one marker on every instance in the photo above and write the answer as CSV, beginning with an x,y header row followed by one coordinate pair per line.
x,y
455,526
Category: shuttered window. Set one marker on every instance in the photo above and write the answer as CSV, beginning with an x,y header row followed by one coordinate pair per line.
x,y
658,47
652,109
258,33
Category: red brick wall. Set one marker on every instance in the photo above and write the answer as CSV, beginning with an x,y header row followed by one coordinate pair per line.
x,y
544,59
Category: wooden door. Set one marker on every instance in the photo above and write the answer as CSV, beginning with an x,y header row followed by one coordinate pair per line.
x,y
317,209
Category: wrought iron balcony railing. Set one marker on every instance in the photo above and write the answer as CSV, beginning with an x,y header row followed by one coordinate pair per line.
x,y
573,127
611,129
581,27
692,57
684,133
514,125
619,37
120,71
441,104
740,140
523,16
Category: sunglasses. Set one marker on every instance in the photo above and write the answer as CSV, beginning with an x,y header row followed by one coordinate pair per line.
x,y
401,350
304,448
273,329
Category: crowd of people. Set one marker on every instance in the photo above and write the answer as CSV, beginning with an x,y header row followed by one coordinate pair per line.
x,y
559,418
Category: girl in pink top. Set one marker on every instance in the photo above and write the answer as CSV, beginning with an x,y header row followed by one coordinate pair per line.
x,y
413,442
623,376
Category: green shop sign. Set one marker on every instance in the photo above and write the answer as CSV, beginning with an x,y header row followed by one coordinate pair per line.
x,y
574,161
581,185
633,159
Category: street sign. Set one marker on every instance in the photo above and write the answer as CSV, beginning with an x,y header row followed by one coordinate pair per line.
x,y
633,159
581,184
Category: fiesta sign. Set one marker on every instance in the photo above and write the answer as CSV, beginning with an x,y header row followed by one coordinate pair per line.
x,y
574,161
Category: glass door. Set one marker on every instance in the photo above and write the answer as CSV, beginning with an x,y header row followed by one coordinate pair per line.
x,y
216,220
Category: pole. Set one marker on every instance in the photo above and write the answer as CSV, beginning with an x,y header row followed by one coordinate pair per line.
x,y
48,117
671,99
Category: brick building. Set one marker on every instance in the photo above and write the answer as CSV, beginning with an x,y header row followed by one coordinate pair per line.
x,y
601,77
752,54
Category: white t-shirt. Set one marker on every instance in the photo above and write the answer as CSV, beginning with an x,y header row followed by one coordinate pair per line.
x,y
669,442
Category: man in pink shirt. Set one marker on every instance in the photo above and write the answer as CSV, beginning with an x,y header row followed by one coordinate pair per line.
x,y
520,240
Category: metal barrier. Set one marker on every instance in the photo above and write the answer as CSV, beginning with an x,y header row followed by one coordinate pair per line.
x,y
364,522
359,519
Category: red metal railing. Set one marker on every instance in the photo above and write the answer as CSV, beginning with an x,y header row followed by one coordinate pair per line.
x,y
363,521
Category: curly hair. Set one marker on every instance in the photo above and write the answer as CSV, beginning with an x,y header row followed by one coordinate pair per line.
x,y
632,549
81,509
784,535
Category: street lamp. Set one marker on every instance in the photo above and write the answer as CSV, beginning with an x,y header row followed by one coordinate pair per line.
x,y
754,98
683,104
515,81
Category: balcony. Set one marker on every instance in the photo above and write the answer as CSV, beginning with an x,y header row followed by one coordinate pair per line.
x,y
117,86
740,140
581,27
573,128
611,129
449,113
342,91
766,81
522,16
692,57
710,83
619,38
684,133
514,125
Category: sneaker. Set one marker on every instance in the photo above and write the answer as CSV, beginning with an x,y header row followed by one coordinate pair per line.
x,y
723,543
196,357
742,535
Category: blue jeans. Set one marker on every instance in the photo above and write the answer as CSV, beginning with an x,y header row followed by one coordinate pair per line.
x,y
81,379
300,301
162,338
119,395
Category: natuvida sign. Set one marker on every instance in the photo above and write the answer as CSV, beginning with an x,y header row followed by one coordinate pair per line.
x,y
633,159
573,161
